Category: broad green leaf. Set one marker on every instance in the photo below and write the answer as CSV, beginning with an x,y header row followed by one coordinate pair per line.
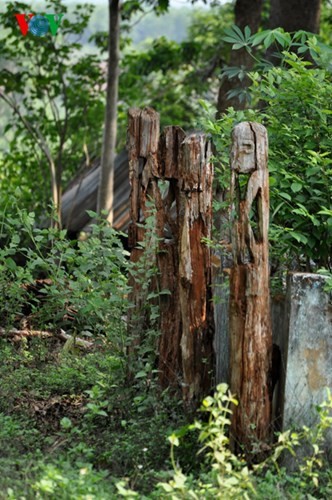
x,y
247,32
285,195
259,37
301,238
296,187
269,40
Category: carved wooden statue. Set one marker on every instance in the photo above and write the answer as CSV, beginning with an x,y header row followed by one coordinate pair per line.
x,y
250,325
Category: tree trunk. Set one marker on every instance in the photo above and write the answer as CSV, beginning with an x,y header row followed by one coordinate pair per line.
x,y
106,186
294,15
291,15
249,321
247,13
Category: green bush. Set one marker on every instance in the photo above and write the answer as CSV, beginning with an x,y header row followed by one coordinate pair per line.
x,y
297,113
293,101
224,475
83,287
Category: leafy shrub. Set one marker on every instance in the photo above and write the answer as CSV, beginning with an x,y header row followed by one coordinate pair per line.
x,y
67,481
297,114
293,102
226,476
84,285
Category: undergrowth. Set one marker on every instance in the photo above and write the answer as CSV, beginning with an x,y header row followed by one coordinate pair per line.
x,y
74,426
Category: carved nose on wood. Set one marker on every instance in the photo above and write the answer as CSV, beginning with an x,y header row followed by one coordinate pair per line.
x,y
244,156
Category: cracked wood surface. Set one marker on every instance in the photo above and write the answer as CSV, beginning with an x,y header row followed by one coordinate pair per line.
x,y
250,324
175,172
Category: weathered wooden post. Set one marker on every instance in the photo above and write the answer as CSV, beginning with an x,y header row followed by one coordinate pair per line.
x,y
250,325
169,363
176,172
142,140
196,175
142,143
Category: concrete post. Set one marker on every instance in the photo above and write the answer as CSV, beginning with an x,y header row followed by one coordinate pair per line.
x,y
308,350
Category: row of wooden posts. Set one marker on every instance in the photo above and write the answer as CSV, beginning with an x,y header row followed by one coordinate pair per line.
x,y
175,172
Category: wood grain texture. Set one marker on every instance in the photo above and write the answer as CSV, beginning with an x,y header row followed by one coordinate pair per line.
x,y
196,175
249,322
175,173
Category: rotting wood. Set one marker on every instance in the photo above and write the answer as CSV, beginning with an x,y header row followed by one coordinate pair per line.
x,y
143,137
196,175
176,173
170,361
142,144
17,335
249,323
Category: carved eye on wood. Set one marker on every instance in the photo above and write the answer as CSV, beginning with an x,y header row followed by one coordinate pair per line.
x,y
247,147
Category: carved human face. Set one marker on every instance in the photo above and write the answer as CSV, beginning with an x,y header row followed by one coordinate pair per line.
x,y
243,150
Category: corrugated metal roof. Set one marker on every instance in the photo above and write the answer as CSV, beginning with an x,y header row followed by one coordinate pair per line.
x,y
81,195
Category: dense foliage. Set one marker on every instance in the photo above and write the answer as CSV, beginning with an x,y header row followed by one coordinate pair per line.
x,y
293,101
55,97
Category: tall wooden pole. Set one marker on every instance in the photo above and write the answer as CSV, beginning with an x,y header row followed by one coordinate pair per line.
x,y
250,325
195,224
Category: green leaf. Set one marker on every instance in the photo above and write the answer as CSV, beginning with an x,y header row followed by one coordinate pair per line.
x,y
296,187
247,32
269,40
207,402
102,413
237,30
238,45
301,238
229,39
282,38
174,440
234,34
259,37
39,238
66,423
285,195
11,264
303,49
325,211
167,487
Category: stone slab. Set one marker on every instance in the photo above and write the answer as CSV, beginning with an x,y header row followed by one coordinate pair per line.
x,y
308,349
